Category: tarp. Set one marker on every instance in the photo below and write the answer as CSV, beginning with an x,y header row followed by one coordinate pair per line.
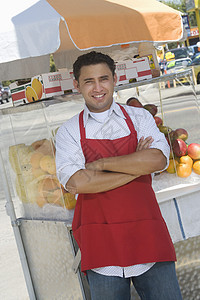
x,y
32,29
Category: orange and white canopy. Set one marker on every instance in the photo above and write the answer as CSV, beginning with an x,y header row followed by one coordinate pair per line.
x,y
31,30
102,23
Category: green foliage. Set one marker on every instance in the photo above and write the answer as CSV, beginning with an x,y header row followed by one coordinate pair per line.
x,y
52,64
7,82
178,6
181,6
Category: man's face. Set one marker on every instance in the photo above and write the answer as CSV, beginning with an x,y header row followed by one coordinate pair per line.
x,y
96,84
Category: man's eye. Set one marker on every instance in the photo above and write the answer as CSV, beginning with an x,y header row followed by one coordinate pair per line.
x,y
104,79
88,81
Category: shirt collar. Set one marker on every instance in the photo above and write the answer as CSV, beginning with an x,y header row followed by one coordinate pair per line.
x,y
114,108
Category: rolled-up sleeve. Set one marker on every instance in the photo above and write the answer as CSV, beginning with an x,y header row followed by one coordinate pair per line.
x,y
69,155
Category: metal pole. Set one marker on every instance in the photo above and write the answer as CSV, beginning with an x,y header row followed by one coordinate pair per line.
x,y
15,224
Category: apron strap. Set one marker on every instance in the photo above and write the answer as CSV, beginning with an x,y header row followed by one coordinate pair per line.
x,y
81,125
128,119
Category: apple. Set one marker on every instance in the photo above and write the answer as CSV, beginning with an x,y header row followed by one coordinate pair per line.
x,y
134,102
165,129
184,170
171,136
194,151
180,133
196,167
186,159
172,166
167,140
179,147
158,121
151,108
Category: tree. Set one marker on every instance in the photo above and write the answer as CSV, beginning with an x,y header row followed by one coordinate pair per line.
x,y
181,6
52,64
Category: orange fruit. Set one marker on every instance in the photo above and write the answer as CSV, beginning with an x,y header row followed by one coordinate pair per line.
x,y
35,159
172,166
184,170
47,164
186,159
47,185
196,167
70,200
38,172
41,201
55,197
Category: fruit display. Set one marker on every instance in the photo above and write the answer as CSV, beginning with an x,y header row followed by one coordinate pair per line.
x,y
35,175
184,159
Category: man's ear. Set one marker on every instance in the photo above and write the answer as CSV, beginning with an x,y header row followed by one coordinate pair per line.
x,y
76,85
115,79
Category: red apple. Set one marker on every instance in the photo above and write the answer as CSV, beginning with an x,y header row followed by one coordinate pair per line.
x,y
167,140
180,133
179,147
158,121
194,151
134,102
151,108
171,136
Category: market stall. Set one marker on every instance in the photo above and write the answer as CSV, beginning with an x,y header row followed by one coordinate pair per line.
x,y
41,211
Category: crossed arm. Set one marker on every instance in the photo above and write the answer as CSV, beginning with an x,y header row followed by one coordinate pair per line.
x,y
109,173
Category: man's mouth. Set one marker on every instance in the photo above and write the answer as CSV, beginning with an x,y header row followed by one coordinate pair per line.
x,y
99,96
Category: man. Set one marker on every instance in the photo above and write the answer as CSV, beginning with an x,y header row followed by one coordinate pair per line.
x,y
106,155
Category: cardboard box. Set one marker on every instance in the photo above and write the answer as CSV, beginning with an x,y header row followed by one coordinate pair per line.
x,y
42,87
129,70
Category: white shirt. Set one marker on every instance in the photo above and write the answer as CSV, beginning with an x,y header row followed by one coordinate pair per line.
x,y
111,125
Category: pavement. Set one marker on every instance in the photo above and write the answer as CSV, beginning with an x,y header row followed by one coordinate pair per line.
x,y
12,282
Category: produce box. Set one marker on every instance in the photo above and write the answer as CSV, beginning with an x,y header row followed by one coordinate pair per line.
x,y
133,70
42,87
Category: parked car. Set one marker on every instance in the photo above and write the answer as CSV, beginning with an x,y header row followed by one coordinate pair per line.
x,y
177,65
196,60
196,66
193,51
4,95
6,88
177,53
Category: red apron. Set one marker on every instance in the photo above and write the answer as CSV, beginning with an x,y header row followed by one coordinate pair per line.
x,y
124,226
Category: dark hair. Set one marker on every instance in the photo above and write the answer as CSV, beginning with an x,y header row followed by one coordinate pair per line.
x,y
92,58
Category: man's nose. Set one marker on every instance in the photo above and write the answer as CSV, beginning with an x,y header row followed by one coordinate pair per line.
x,y
97,86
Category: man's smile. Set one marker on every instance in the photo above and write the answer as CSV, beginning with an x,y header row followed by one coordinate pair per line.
x,y
98,96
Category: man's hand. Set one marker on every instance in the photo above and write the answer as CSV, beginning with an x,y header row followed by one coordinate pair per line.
x,y
144,143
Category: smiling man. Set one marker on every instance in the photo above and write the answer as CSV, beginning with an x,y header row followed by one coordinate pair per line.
x,y
106,154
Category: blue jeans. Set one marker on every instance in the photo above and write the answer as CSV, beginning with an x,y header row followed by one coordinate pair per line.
x,y
158,283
